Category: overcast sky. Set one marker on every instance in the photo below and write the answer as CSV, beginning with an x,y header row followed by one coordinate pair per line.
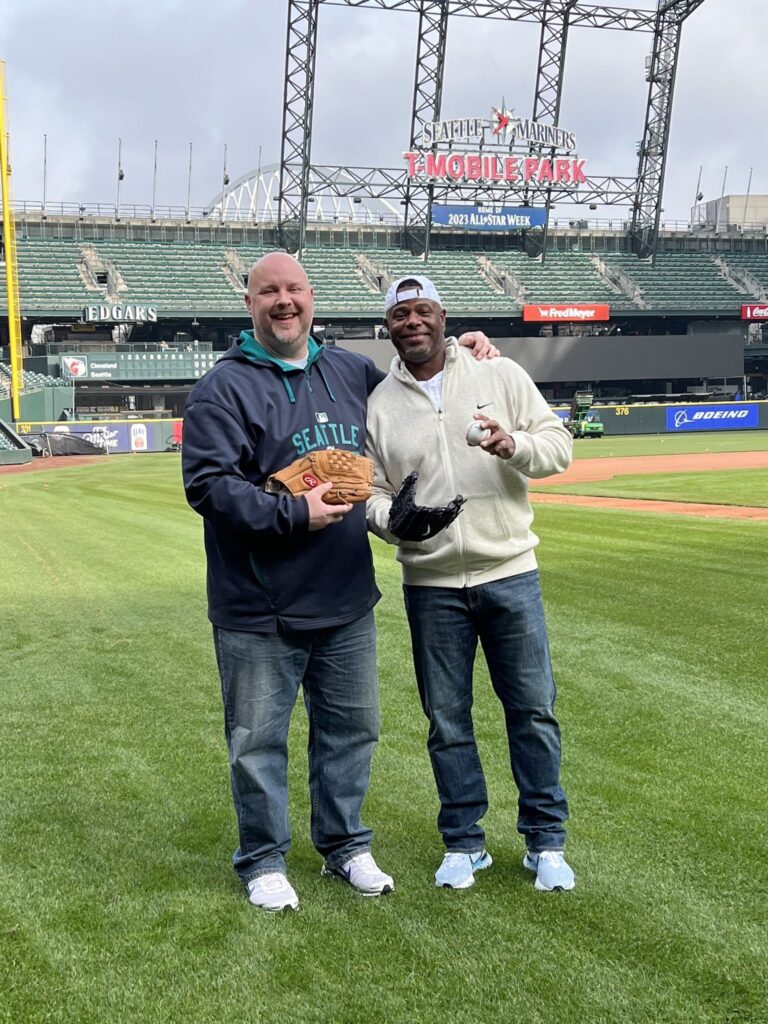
x,y
183,71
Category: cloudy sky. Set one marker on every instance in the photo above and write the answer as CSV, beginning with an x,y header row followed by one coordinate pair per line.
x,y
181,71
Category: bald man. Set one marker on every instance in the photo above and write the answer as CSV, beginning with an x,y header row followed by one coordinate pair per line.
x,y
290,581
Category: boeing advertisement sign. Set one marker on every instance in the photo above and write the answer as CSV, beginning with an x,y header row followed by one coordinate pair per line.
x,y
712,417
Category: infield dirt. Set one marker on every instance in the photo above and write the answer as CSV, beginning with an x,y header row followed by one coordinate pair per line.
x,y
592,470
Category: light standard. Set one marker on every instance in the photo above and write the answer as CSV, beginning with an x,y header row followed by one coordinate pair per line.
x,y
154,182
120,176
189,179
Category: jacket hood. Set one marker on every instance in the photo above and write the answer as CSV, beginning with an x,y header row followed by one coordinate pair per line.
x,y
250,350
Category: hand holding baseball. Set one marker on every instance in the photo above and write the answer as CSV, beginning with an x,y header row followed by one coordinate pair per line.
x,y
476,433
497,441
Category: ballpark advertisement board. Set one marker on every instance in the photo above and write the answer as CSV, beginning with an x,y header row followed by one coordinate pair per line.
x,y
757,311
553,313
712,417
117,435
492,218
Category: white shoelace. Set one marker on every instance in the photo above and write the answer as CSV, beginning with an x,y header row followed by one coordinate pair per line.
x,y
553,857
363,862
452,859
271,883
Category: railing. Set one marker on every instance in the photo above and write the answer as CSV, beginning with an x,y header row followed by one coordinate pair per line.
x,y
146,212
52,348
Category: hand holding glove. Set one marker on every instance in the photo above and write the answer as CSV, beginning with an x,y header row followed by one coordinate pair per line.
x,y
409,521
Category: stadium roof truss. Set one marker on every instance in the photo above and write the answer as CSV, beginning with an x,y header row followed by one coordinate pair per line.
x,y
301,183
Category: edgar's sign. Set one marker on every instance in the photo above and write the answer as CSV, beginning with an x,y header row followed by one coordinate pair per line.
x,y
120,314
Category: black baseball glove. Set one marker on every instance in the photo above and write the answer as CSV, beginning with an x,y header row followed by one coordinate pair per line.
x,y
409,521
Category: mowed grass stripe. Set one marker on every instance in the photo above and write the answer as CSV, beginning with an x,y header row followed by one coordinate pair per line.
x,y
744,487
621,445
116,829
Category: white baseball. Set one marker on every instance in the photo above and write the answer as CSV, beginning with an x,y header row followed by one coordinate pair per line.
x,y
476,433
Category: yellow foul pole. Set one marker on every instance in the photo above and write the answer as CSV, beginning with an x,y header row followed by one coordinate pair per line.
x,y
11,266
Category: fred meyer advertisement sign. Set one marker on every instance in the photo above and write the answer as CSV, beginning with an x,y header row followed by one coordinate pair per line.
x,y
552,313
492,218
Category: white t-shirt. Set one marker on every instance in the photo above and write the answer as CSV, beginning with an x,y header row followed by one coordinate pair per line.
x,y
434,389
301,363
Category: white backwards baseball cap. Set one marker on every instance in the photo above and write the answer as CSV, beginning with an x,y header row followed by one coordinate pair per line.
x,y
410,287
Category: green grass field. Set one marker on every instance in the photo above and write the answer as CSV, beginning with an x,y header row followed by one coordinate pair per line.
x,y
117,899
727,487
615,445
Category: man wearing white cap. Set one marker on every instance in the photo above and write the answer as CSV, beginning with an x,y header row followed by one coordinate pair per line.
x,y
441,423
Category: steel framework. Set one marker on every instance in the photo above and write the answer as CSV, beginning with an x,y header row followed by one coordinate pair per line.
x,y
298,104
652,151
427,100
301,182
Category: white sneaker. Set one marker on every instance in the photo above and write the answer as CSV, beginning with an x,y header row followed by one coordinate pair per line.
x,y
272,892
458,869
363,874
553,873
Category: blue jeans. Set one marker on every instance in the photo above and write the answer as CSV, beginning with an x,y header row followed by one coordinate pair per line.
x,y
260,678
507,617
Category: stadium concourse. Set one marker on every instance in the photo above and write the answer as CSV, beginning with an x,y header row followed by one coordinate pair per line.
x,y
122,316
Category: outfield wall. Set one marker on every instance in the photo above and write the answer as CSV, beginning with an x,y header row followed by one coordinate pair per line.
x,y
119,436
46,404
597,357
680,419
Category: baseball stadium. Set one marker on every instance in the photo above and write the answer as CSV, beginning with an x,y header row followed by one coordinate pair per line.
x,y
646,336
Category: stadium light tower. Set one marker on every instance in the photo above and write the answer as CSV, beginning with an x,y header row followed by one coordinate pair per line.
x,y
652,153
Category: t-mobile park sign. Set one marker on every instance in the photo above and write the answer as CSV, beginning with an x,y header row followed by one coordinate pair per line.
x,y
502,127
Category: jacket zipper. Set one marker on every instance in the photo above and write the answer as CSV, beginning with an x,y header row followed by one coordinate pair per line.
x,y
461,540
461,544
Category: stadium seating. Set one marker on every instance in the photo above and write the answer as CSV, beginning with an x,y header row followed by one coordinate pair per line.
x,y
49,278
679,282
562,277
206,278
338,282
755,264
457,275
32,381
173,275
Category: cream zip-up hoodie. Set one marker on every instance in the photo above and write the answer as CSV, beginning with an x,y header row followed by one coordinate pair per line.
x,y
492,537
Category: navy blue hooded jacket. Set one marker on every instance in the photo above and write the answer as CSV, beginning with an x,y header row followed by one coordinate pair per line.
x,y
252,415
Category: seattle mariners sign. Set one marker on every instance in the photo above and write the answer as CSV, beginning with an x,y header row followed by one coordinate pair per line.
x,y
510,131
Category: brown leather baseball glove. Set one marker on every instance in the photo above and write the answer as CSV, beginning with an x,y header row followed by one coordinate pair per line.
x,y
351,474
